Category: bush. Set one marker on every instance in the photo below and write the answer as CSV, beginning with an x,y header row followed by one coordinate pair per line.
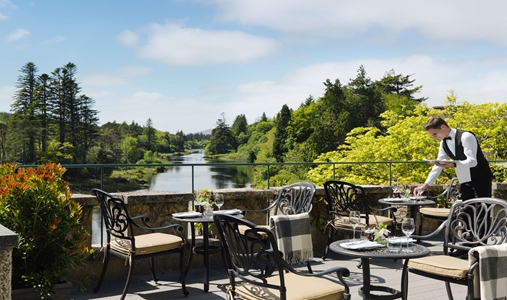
x,y
37,205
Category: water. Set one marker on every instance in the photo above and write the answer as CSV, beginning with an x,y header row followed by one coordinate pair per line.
x,y
179,179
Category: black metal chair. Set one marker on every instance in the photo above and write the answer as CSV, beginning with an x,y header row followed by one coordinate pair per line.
x,y
123,242
252,257
449,195
471,223
343,197
292,199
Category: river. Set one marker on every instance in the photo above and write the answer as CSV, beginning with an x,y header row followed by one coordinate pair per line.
x,y
179,178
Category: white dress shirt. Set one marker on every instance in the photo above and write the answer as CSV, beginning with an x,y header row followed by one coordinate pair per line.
x,y
469,143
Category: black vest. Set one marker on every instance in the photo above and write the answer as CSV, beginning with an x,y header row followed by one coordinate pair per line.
x,y
481,172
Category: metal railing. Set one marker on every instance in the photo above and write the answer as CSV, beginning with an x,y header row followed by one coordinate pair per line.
x,y
269,165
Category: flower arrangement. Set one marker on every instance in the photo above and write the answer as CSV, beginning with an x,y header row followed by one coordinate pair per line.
x,y
203,200
381,233
37,205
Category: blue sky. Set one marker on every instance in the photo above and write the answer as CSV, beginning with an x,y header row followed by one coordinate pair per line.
x,y
183,63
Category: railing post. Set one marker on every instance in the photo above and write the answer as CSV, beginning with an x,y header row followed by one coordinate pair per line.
x,y
268,175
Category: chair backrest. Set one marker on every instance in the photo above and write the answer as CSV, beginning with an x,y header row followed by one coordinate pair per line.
x,y
294,199
476,222
452,193
342,197
251,255
116,218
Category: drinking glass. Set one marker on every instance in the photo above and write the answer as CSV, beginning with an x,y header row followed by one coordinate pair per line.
x,y
408,227
394,243
354,219
219,200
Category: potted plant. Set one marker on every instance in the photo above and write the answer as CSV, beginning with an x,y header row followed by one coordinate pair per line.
x,y
36,204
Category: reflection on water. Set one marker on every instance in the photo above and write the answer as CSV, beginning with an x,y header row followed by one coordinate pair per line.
x,y
179,179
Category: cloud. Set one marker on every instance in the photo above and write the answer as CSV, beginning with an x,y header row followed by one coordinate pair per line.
x,y
436,19
56,39
6,98
17,35
176,45
5,4
118,77
167,113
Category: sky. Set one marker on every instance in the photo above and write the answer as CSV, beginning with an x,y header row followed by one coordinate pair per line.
x,y
183,64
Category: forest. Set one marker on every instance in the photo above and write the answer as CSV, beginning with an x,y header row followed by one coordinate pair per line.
x,y
364,120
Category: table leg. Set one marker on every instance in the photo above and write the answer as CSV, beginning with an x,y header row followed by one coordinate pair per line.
x,y
205,241
404,281
366,278
192,249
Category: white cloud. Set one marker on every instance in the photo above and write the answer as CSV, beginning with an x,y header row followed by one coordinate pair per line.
x,y
118,77
6,98
441,19
471,81
128,38
176,45
167,113
56,39
17,35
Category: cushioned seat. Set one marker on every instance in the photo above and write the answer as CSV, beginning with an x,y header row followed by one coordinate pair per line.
x,y
297,289
438,212
148,243
443,265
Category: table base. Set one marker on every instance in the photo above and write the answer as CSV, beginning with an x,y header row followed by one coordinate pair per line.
x,y
393,293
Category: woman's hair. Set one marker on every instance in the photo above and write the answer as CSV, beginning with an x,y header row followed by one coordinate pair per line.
x,y
435,123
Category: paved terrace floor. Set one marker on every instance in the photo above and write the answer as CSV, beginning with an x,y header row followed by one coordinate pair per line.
x,y
383,272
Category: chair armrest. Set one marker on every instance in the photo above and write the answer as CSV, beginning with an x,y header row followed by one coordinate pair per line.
x,y
434,233
146,226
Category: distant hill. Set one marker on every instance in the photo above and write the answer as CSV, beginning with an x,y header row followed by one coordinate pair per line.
x,y
207,131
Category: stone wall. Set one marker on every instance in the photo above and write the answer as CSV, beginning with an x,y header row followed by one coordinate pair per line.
x,y
159,206
8,240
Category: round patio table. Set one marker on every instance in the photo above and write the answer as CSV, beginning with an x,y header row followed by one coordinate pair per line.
x,y
206,249
384,253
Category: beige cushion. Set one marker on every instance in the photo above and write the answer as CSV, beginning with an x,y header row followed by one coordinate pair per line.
x,y
343,221
243,228
439,212
442,265
148,243
298,288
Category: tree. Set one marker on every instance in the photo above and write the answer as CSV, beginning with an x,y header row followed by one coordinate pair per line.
x,y
24,107
280,146
240,129
222,140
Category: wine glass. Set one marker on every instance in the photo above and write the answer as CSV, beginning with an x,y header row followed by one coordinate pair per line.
x,y
219,200
354,219
408,227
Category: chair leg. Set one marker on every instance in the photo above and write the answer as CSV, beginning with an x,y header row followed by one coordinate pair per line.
x,y
152,264
182,276
104,269
309,267
449,292
131,267
329,239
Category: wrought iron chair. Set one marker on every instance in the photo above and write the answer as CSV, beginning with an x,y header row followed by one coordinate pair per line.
x,y
292,199
472,223
450,195
343,197
124,243
252,257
